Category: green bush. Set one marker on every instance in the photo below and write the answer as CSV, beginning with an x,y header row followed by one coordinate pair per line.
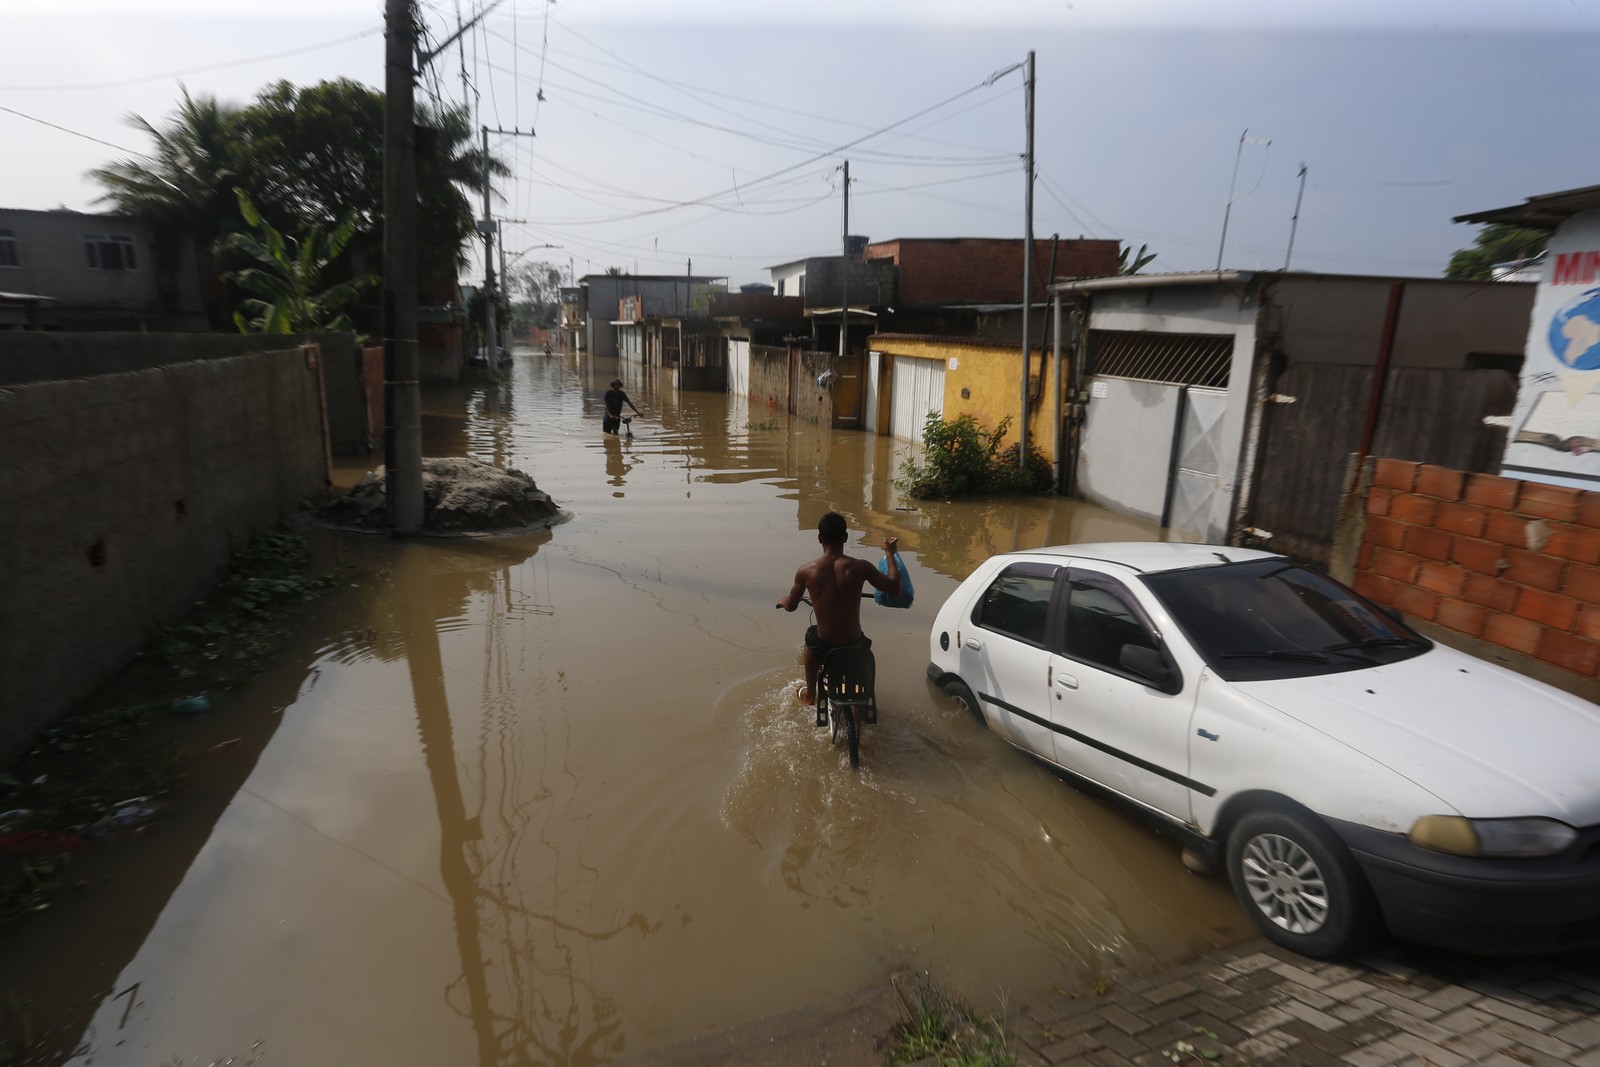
x,y
961,458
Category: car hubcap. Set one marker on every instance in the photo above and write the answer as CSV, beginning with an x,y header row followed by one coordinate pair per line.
x,y
1285,883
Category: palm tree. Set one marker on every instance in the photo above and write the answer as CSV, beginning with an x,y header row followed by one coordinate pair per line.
x,y
184,187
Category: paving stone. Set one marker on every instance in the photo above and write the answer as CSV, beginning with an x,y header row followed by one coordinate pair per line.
x,y
1531,1019
1465,1020
1300,974
1267,1044
1360,1008
1263,1020
1524,1038
1409,1005
1428,1052
1320,1019
1122,1018
1169,991
1119,1041
1584,1033
1377,1054
1251,963
1450,997
1347,988
1066,1049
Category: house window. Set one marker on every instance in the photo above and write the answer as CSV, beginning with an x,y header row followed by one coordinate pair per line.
x,y
109,251
10,251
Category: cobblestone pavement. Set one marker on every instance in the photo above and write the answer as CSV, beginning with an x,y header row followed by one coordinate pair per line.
x,y
1257,1004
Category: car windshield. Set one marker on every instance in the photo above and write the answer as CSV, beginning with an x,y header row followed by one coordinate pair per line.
x,y
1270,618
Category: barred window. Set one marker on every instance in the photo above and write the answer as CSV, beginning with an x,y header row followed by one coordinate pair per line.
x,y
1200,359
109,251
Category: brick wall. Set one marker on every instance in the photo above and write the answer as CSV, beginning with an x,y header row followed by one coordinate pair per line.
x,y
1511,562
969,269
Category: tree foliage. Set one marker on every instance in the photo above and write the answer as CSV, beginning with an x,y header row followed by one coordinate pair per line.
x,y
961,458
1140,261
286,278
308,157
535,290
1498,242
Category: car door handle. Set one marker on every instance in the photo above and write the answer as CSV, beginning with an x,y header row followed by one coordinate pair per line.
x,y
1207,734
974,644
1066,681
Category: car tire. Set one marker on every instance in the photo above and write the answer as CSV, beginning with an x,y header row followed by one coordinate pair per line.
x,y
1299,885
957,690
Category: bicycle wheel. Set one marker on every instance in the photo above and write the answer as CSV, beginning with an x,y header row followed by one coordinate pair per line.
x,y
846,716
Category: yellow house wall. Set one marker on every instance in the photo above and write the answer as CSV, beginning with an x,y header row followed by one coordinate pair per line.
x,y
992,378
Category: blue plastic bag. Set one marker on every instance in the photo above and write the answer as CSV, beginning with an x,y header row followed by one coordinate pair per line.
x,y
906,592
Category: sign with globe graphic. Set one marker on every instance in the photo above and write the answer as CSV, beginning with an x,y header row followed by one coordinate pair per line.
x,y
1575,332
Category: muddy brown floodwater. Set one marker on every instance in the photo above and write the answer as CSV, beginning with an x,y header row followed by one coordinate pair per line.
x,y
550,799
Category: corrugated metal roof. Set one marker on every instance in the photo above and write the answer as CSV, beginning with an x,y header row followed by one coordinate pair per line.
x,y
1548,210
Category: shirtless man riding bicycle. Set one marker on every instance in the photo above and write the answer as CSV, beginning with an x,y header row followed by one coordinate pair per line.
x,y
833,582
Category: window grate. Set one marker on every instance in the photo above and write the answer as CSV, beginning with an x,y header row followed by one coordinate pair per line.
x,y
9,251
1178,358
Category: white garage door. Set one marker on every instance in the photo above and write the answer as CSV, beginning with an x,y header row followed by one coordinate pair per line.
x,y
918,389
739,367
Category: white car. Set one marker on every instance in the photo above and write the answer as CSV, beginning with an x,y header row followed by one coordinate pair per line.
x,y
1346,771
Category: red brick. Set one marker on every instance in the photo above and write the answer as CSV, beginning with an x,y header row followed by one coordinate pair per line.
x,y
1484,556
1508,528
1384,532
1461,616
1510,631
1468,519
1493,593
1378,500
1579,543
1396,474
1551,609
1416,602
1427,542
1491,491
1442,578
1583,583
1535,569
1417,510
1376,589
1440,482
1399,566
1589,509
1575,653
1588,622
1549,501
1364,557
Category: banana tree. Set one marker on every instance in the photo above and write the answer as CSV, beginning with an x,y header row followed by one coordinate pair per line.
x,y
286,279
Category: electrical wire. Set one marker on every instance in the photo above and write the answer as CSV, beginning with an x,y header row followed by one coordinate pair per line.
x,y
144,79
63,129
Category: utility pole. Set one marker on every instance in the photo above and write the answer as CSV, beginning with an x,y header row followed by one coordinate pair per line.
x,y
844,275
1027,270
486,226
402,397
1294,223
402,367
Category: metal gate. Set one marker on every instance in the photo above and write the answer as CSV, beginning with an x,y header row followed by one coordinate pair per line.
x,y
918,388
874,364
1195,482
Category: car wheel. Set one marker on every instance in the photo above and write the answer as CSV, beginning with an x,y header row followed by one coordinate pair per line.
x,y
1299,885
957,690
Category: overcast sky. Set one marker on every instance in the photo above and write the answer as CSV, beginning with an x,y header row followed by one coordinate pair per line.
x,y
710,132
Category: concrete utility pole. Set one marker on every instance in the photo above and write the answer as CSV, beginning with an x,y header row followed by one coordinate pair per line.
x,y
1294,223
1027,271
402,397
844,275
402,366
491,351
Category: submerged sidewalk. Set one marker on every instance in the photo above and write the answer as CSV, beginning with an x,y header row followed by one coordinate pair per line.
x,y
1254,1004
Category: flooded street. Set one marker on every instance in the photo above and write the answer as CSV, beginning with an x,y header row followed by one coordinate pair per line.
x,y
551,799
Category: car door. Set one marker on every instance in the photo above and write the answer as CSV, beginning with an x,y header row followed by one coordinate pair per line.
x,y
1114,726
1005,654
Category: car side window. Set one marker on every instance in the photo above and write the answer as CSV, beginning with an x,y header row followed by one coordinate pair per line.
x,y
1017,603
1101,617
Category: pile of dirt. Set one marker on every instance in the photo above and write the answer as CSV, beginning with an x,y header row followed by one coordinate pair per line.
x,y
460,497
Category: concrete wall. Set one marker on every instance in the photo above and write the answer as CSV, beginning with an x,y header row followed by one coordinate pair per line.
x,y
990,376
125,495
27,356
1514,564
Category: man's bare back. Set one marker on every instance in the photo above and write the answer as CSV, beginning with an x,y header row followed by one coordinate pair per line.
x,y
833,582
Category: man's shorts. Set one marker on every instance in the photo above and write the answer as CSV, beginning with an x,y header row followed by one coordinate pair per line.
x,y
820,648
611,423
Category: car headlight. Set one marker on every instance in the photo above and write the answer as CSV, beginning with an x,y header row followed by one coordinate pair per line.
x,y
1491,837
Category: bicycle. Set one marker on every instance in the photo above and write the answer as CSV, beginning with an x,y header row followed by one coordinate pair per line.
x,y
846,697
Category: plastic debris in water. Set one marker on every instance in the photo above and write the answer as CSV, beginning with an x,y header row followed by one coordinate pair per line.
x,y
128,815
191,705
41,842
18,819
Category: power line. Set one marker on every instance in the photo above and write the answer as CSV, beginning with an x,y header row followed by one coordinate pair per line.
x,y
63,129
196,70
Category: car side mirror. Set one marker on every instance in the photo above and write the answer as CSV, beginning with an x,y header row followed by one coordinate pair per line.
x,y
1152,665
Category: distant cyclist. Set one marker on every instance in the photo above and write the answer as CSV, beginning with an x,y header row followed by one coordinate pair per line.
x,y
614,399
833,581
